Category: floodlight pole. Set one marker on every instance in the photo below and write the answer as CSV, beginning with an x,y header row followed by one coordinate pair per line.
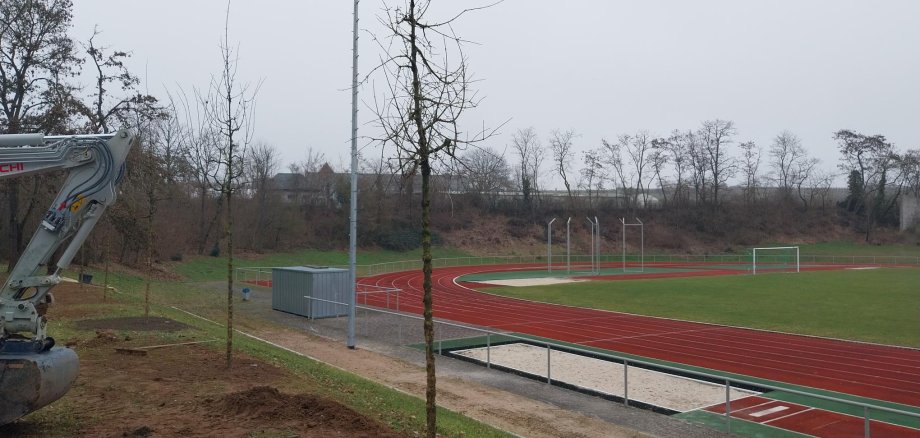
x,y
568,247
642,245
549,245
623,221
353,220
597,243
592,241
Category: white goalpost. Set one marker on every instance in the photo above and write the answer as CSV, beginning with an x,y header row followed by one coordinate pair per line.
x,y
783,259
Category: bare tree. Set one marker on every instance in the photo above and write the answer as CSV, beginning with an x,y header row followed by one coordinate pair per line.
x,y
204,160
820,183
428,91
678,146
530,155
613,158
308,179
228,109
658,159
593,175
260,168
561,143
802,174
715,136
786,155
485,172
123,106
910,171
638,149
311,162
792,166
149,178
173,145
750,165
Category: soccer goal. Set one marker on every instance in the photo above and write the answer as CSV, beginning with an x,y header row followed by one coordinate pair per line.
x,y
777,258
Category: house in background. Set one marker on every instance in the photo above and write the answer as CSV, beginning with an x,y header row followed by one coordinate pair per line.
x,y
311,188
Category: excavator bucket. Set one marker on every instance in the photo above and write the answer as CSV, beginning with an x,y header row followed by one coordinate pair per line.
x,y
33,380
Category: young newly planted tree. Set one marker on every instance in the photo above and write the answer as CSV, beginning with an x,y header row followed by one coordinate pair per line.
x,y
228,108
428,90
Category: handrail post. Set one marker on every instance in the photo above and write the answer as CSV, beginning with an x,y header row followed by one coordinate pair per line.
x,y
488,350
549,245
568,248
728,405
626,382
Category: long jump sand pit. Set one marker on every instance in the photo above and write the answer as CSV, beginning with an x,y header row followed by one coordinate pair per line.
x,y
674,393
540,281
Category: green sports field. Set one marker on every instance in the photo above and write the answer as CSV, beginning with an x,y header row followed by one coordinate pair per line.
x,y
873,305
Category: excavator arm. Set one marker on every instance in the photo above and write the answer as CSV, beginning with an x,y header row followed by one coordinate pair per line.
x,y
33,372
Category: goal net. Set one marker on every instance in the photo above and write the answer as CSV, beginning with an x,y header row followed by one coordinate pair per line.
x,y
776,259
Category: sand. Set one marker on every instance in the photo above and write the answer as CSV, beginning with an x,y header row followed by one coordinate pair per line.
x,y
655,388
520,282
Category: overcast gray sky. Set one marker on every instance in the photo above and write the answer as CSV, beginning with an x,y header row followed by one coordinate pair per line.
x,y
603,68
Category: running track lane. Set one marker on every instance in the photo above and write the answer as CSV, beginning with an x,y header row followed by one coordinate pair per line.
x,y
874,371
809,421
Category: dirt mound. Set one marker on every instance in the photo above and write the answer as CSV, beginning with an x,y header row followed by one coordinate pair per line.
x,y
304,410
135,323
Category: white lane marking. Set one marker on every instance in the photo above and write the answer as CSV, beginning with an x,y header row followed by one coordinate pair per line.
x,y
772,410
789,415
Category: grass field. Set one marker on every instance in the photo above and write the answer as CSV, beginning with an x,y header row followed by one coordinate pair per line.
x,y
879,305
201,268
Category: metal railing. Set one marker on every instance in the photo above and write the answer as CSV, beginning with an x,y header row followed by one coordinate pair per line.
x,y
372,329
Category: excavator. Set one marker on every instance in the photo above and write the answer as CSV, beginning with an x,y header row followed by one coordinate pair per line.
x,y
33,371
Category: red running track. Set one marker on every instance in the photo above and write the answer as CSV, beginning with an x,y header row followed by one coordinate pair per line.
x,y
868,370
809,421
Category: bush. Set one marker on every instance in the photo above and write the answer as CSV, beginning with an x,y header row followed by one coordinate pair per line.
x,y
403,239
399,240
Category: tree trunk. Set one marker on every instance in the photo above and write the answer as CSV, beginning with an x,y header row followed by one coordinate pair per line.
x,y
430,390
229,279
425,165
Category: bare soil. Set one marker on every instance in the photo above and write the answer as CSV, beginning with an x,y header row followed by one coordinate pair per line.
x,y
181,391
133,323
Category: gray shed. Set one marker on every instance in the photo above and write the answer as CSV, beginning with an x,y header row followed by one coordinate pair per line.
x,y
291,285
